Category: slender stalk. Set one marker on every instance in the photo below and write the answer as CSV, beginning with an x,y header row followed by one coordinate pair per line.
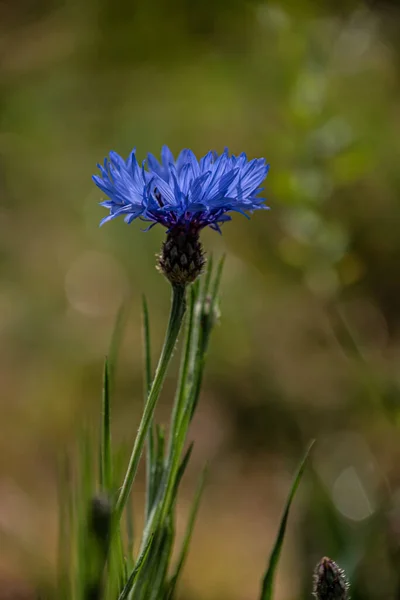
x,y
198,329
205,326
183,374
147,385
175,321
187,537
269,577
130,534
163,502
105,445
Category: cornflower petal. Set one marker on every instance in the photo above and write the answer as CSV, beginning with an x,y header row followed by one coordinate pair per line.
x,y
165,190
220,188
182,193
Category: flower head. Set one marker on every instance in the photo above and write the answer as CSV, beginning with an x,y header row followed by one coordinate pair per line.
x,y
182,194
330,581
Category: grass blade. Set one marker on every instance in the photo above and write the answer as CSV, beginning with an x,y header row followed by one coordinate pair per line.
x,y
206,321
105,444
178,308
188,535
147,347
183,465
268,581
158,465
106,476
184,371
116,338
147,385
217,283
163,558
136,571
207,277
130,532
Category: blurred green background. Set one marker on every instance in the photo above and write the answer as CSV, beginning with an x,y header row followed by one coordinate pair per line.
x,y
309,339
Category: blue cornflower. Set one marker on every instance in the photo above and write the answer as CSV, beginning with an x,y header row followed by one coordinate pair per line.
x,y
182,194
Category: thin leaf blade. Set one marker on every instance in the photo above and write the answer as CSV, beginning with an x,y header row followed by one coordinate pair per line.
x,y
148,376
268,581
105,450
188,536
136,571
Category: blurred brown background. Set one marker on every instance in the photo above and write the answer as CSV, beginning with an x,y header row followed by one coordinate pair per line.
x,y
309,339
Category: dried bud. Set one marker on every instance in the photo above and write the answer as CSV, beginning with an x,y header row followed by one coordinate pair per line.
x,y
182,258
209,313
330,581
100,518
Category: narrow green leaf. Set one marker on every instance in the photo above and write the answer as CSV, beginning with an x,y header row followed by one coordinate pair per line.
x,y
208,273
178,308
204,326
130,533
155,572
268,581
152,581
116,565
188,535
183,465
158,464
116,339
165,499
148,376
106,475
136,571
184,372
216,284
105,448
162,560
167,489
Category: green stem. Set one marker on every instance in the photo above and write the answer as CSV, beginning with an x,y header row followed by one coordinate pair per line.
x,y
183,376
175,321
147,387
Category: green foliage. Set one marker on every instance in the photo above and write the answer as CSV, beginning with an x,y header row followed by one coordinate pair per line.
x,y
178,307
268,581
105,450
312,86
102,564
171,587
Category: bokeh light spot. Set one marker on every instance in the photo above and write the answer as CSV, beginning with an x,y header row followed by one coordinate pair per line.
x,y
95,284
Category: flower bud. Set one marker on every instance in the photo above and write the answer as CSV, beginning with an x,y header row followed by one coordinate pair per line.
x,y
100,519
330,581
182,258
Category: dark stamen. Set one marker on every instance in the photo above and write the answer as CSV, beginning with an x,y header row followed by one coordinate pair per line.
x,y
158,197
